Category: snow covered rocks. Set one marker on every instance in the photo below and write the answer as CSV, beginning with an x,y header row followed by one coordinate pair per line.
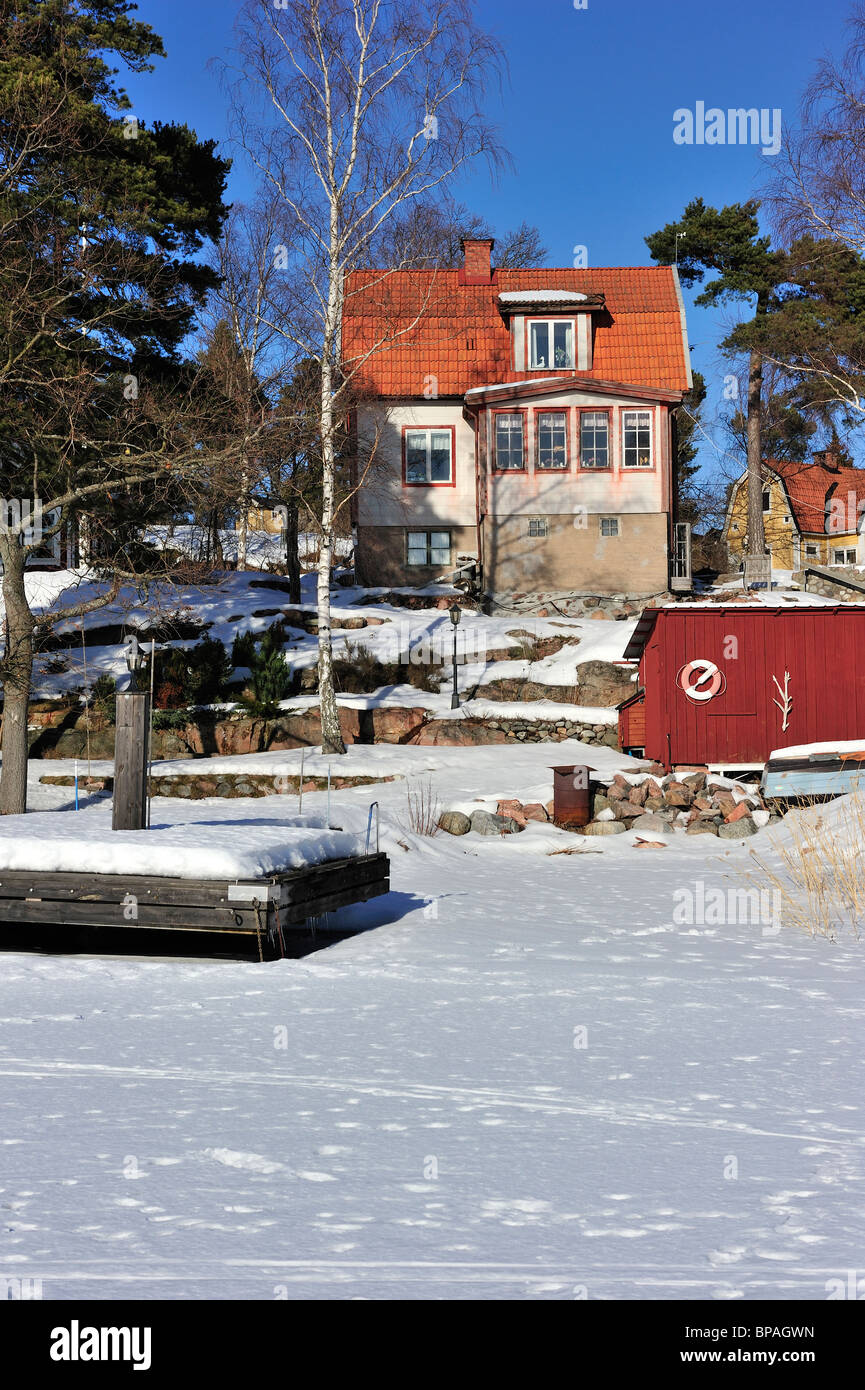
x,y
689,801
509,817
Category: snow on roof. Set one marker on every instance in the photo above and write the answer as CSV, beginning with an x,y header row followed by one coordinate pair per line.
x,y
804,750
509,385
540,296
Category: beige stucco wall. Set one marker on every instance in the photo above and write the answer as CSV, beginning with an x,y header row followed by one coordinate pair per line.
x,y
382,498
578,557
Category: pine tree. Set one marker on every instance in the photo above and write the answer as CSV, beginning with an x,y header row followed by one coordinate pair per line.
x,y
101,224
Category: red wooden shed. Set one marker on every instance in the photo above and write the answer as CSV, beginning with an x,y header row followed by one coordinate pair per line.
x,y
725,685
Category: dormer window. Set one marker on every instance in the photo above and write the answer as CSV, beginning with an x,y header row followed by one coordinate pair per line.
x,y
551,344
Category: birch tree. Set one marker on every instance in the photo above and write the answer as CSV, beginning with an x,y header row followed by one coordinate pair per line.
x,y
351,110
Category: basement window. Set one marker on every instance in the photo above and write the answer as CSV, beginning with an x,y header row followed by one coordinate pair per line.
x,y
609,525
430,548
539,526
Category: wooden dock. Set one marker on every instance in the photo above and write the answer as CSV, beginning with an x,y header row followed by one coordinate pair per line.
x,y
260,911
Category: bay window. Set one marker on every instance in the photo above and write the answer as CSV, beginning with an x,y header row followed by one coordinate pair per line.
x,y
637,438
509,441
594,439
552,432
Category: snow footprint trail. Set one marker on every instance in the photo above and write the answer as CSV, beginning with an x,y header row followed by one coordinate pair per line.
x,y
410,1115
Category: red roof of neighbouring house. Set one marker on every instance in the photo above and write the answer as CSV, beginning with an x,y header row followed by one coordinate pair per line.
x,y
435,324
812,487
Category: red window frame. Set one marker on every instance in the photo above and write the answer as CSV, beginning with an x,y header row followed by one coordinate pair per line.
x,y
654,435
517,410
593,410
439,429
551,410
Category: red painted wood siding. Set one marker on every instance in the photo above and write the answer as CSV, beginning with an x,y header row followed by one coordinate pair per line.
x,y
822,648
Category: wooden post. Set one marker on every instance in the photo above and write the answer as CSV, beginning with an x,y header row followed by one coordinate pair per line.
x,y
130,761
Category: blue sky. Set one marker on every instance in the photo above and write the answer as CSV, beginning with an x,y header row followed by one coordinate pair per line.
x,y
587,114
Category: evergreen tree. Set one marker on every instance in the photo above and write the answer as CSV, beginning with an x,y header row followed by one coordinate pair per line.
x,y
101,223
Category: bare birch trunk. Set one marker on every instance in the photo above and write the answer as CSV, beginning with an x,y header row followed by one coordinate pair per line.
x,y
331,733
17,667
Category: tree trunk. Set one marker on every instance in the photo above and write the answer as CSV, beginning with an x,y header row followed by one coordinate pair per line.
x,y
331,733
243,522
17,667
756,534
292,558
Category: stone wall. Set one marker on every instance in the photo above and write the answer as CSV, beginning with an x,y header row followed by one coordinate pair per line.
x,y
833,586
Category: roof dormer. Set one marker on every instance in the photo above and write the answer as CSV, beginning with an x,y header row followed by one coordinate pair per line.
x,y
551,329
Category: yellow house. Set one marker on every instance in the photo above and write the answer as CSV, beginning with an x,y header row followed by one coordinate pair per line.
x,y
812,513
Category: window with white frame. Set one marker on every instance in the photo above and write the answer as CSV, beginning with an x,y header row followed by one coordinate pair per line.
x,y
431,548
637,438
428,456
509,441
844,557
594,439
552,432
538,526
811,551
609,525
551,343
767,501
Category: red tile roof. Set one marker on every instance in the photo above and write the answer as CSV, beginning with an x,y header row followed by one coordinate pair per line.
x,y
812,488
434,325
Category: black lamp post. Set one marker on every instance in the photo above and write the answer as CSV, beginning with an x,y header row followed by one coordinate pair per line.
x,y
134,660
456,614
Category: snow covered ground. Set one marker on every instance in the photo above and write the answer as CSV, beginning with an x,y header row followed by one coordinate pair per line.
x,y
534,1077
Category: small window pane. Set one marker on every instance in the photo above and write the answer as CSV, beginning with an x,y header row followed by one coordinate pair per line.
x,y
440,456
563,344
609,526
552,440
416,457
540,345
417,548
440,547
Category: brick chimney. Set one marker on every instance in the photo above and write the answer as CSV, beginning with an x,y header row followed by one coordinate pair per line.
x,y
830,460
476,264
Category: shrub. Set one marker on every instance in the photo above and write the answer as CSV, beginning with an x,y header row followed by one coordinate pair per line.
x,y
103,699
270,678
243,649
195,676
423,808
